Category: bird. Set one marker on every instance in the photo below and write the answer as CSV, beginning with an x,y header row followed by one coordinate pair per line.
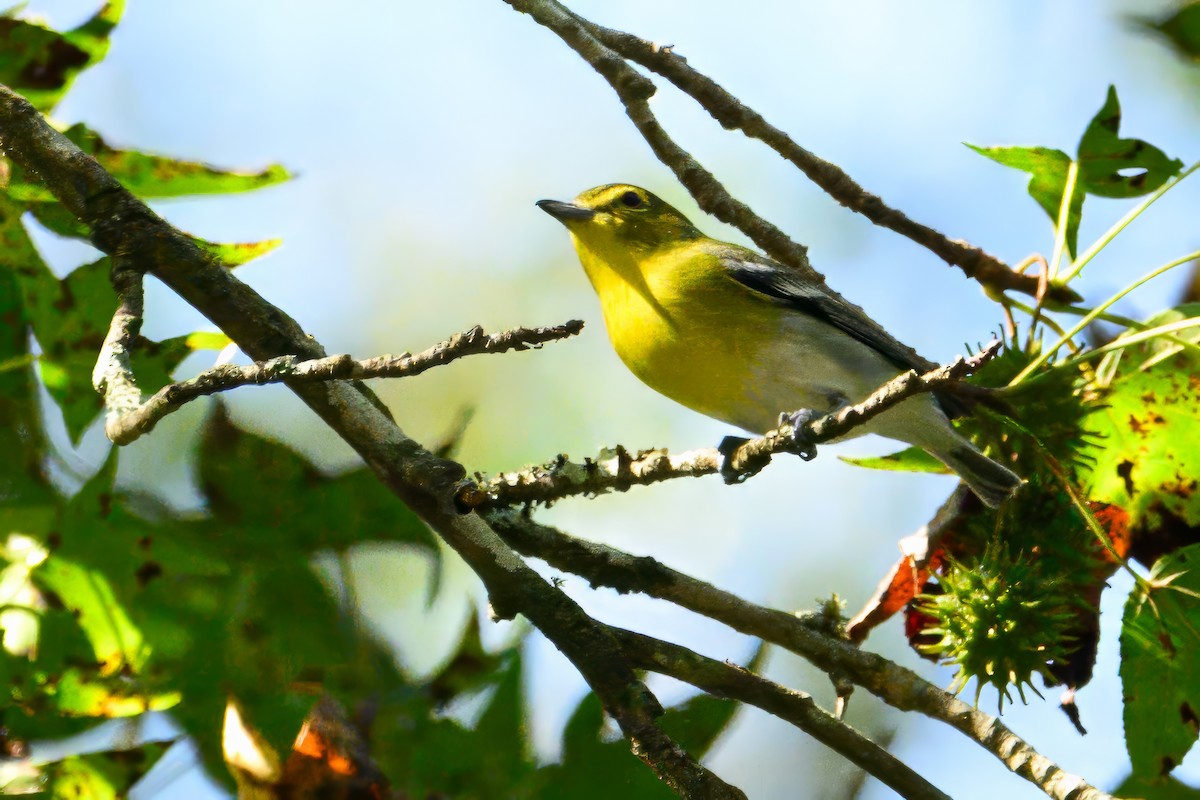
x,y
738,337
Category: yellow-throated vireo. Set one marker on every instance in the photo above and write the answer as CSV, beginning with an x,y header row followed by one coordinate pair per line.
x,y
736,336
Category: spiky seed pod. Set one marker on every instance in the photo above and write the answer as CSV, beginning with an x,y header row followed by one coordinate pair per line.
x,y
1000,620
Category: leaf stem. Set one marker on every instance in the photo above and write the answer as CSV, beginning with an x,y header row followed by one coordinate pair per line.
x,y
1097,312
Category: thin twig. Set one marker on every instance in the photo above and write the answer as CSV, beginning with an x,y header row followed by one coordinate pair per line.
x,y
634,91
727,680
123,225
124,426
618,469
604,48
802,634
113,376
731,113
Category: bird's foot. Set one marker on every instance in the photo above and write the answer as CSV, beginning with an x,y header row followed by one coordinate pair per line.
x,y
727,448
802,441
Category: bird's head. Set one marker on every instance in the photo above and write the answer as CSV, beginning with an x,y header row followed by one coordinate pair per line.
x,y
621,217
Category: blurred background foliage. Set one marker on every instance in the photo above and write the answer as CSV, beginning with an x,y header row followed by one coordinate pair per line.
x,y
418,140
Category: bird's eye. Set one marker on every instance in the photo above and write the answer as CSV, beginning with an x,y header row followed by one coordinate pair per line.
x,y
631,199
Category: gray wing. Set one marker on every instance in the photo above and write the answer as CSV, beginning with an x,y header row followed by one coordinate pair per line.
x,y
787,287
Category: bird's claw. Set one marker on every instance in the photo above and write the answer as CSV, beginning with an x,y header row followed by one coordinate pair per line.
x,y
727,448
802,441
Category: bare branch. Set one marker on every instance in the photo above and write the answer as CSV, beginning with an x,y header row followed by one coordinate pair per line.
x,y
605,50
125,424
732,114
634,90
617,470
113,375
727,680
121,224
802,634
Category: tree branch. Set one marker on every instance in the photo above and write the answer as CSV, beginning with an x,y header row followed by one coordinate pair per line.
x,y
606,50
802,634
617,470
113,376
124,425
122,225
634,90
732,114
727,680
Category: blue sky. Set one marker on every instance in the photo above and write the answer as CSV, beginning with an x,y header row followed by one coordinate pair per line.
x,y
422,133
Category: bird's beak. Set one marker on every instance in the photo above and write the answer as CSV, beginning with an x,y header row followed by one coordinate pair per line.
x,y
565,212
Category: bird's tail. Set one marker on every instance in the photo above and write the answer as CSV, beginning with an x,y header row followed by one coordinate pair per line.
x,y
993,483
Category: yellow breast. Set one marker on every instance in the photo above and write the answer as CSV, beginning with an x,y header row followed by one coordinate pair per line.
x,y
685,328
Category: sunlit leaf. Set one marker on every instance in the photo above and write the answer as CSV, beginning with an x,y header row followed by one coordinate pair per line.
x,y
41,63
235,255
1151,407
1109,166
1047,182
1160,665
102,775
116,641
80,776
1114,167
148,176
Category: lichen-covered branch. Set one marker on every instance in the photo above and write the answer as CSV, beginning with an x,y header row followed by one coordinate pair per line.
x,y
125,423
802,634
618,469
723,679
123,226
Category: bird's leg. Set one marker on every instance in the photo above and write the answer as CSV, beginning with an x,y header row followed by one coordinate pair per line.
x,y
805,447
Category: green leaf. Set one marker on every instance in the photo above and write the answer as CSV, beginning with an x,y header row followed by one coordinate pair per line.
x,y
235,255
22,439
154,362
56,219
278,500
71,320
695,724
1181,28
910,459
148,176
1152,405
116,642
1170,789
508,760
98,775
1160,665
1048,181
470,667
82,776
1105,159
595,769
41,63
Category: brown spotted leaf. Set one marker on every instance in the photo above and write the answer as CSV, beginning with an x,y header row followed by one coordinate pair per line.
x,y
1149,464
41,63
